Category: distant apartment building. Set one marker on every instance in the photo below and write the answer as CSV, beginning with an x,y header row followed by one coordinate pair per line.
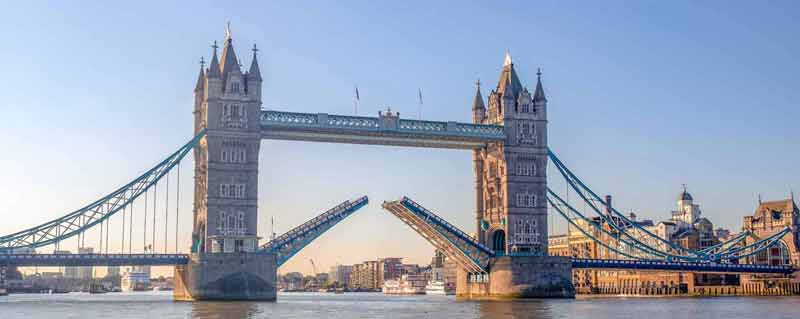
x,y
112,271
365,276
85,272
340,274
390,268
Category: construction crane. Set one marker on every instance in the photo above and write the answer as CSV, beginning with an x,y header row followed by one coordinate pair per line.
x,y
313,267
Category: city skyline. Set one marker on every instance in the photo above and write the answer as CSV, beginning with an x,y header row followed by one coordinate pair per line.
x,y
697,151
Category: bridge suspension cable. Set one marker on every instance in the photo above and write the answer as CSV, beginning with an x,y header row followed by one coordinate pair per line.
x,y
76,223
631,236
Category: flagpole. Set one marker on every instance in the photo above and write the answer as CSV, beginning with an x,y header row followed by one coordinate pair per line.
x,y
420,104
355,101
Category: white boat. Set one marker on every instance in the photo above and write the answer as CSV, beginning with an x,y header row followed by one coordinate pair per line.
x,y
438,288
406,285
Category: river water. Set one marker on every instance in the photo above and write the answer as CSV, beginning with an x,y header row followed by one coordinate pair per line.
x,y
154,305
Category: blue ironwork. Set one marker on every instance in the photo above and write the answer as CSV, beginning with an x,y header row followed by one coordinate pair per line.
x,y
287,245
557,206
44,260
619,221
98,211
471,254
755,247
377,130
728,244
622,227
680,266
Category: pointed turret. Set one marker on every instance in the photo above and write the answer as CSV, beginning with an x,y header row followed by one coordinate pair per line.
x,y
478,107
477,103
201,79
229,61
213,67
538,95
255,72
509,84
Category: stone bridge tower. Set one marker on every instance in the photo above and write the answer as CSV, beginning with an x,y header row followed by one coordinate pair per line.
x,y
227,105
224,264
511,181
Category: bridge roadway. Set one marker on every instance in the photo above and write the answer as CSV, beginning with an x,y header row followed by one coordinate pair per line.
x,y
386,129
66,260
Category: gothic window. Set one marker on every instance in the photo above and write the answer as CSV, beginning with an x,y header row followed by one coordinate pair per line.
x,y
234,115
526,132
525,108
224,155
223,190
240,191
222,224
235,87
240,224
526,168
525,232
526,200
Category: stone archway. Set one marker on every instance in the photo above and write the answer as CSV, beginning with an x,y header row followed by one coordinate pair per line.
x,y
499,241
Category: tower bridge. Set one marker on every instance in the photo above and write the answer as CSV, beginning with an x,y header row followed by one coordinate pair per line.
x,y
508,257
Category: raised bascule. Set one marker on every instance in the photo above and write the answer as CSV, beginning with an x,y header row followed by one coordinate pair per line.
x,y
506,258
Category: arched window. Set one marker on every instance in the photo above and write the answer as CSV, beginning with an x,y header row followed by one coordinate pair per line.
x,y
499,241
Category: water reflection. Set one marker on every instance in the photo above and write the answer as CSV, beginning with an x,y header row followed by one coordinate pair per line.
x,y
224,310
540,309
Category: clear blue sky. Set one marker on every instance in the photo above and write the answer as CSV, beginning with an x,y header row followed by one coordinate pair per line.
x,y
643,97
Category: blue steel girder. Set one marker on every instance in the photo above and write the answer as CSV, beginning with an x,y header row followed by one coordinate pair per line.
x,y
98,211
680,266
65,260
470,254
290,243
642,238
321,127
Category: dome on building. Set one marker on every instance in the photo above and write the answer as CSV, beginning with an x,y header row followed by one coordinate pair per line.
x,y
685,195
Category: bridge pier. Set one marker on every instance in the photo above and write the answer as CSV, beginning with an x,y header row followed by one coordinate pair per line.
x,y
227,276
513,277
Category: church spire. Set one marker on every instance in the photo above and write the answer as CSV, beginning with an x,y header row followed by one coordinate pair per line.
x,y
538,95
255,72
213,67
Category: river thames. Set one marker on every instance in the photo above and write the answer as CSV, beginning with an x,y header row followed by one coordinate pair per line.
x,y
363,305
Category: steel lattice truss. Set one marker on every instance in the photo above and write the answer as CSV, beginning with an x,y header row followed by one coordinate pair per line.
x,y
471,255
625,238
98,211
287,245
